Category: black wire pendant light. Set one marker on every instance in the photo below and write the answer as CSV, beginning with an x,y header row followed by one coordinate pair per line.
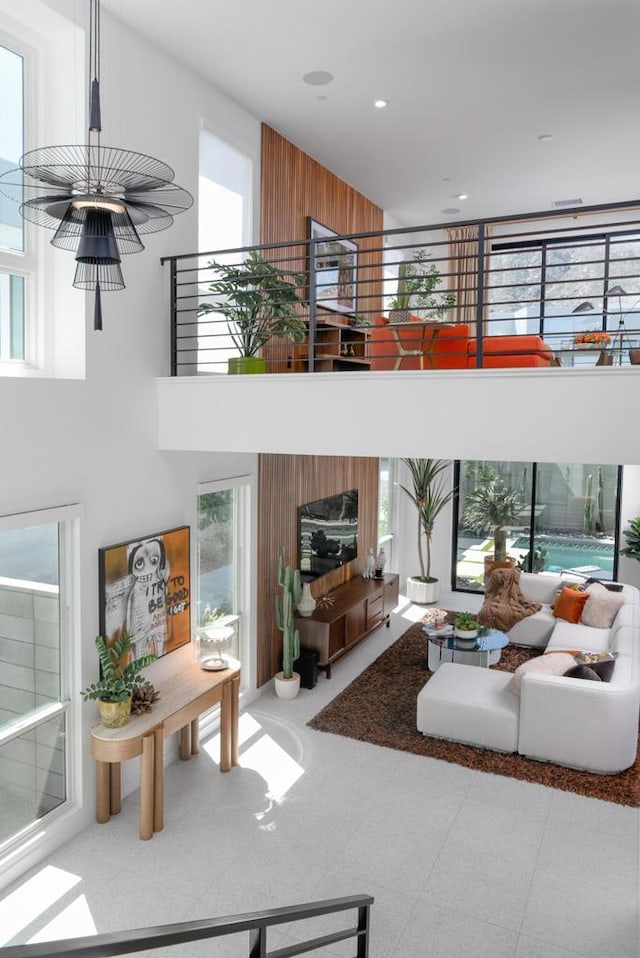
x,y
98,199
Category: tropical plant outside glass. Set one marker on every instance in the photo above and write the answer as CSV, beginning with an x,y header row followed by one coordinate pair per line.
x,y
567,519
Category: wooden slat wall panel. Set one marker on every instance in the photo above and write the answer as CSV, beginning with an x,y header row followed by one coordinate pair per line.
x,y
294,186
286,482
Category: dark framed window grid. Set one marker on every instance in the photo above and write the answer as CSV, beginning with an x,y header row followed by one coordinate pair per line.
x,y
569,520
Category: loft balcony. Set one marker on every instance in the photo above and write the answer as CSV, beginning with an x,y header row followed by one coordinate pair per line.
x,y
368,343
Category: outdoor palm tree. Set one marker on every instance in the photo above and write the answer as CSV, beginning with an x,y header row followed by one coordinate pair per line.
x,y
493,507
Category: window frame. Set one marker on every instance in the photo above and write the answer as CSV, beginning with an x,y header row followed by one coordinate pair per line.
x,y
245,567
532,501
68,518
24,263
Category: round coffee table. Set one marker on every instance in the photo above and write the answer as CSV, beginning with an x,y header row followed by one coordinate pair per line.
x,y
445,647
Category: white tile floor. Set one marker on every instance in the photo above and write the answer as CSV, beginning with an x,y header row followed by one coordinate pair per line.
x,y
461,863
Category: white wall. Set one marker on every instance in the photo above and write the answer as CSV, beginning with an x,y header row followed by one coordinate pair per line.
x,y
94,441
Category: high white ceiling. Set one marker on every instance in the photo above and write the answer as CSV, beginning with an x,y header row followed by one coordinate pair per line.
x,y
471,85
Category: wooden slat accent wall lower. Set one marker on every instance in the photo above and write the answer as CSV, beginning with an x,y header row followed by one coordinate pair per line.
x,y
284,483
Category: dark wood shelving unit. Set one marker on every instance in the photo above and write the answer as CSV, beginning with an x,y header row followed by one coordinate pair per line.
x,y
360,606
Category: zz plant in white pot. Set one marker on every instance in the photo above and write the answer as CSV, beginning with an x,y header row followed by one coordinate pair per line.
x,y
429,495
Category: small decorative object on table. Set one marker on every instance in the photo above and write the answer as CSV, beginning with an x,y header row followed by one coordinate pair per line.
x,y
369,570
325,601
120,677
210,640
466,627
436,618
591,339
307,604
381,561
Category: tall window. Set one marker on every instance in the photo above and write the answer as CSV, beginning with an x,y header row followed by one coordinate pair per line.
x,y
567,519
386,507
12,239
222,558
35,669
224,195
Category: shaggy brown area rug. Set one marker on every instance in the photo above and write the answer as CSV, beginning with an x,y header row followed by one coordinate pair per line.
x,y
380,707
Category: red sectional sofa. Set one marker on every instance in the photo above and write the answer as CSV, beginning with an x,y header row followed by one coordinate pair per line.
x,y
449,346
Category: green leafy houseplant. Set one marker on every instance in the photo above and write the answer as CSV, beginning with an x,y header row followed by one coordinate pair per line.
x,y
118,678
258,302
429,495
289,582
466,622
417,280
632,536
493,508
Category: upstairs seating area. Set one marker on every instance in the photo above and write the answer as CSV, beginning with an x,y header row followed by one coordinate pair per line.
x,y
538,290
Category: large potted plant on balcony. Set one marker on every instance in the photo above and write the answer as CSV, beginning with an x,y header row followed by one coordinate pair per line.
x,y
415,296
429,495
259,302
493,507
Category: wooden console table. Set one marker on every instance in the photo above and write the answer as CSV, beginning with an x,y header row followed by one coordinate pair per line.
x,y
182,700
360,606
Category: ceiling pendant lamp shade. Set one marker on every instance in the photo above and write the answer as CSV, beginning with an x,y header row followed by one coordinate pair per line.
x,y
98,199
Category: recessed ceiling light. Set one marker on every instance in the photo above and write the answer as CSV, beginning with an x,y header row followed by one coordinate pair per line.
x,y
545,137
460,196
380,104
318,78
450,210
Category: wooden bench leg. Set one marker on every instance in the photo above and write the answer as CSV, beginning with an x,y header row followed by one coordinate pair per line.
x,y
235,718
195,736
158,780
226,708
146,787
103,792
115,799
185,743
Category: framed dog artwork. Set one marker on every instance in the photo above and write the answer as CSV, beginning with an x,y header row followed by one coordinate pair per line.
x,y
145,592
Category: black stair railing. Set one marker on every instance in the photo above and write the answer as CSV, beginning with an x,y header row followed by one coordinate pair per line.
x,y
524,279
255,923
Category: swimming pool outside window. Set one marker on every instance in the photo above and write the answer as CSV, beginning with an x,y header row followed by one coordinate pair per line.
x,y
569,519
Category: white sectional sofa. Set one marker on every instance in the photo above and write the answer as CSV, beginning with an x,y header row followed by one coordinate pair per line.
x,y
590,725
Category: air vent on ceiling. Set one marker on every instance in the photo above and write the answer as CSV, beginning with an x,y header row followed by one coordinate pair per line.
x,y
560,204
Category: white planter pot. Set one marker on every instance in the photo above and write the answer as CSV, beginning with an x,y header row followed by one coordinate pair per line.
x,y
307,604
422,592
466,636
287,688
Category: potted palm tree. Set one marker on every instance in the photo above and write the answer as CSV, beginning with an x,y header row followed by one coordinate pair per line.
x,y
494,507
258,302
119,679
429,495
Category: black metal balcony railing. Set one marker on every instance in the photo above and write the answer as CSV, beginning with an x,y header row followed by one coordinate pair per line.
x,y
256,923
553,288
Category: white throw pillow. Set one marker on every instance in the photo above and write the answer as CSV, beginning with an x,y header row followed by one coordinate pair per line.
x,y
602,607
553,663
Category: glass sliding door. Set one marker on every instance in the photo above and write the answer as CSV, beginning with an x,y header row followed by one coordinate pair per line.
x,y
222,557
568,519
35,708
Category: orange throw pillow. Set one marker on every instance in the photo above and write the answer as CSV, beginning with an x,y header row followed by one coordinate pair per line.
x,y
569,605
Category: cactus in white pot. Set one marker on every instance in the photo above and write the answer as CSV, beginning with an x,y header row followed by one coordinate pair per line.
x,y
287,682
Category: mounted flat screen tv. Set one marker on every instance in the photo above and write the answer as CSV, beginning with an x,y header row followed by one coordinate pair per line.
x,y
328,534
